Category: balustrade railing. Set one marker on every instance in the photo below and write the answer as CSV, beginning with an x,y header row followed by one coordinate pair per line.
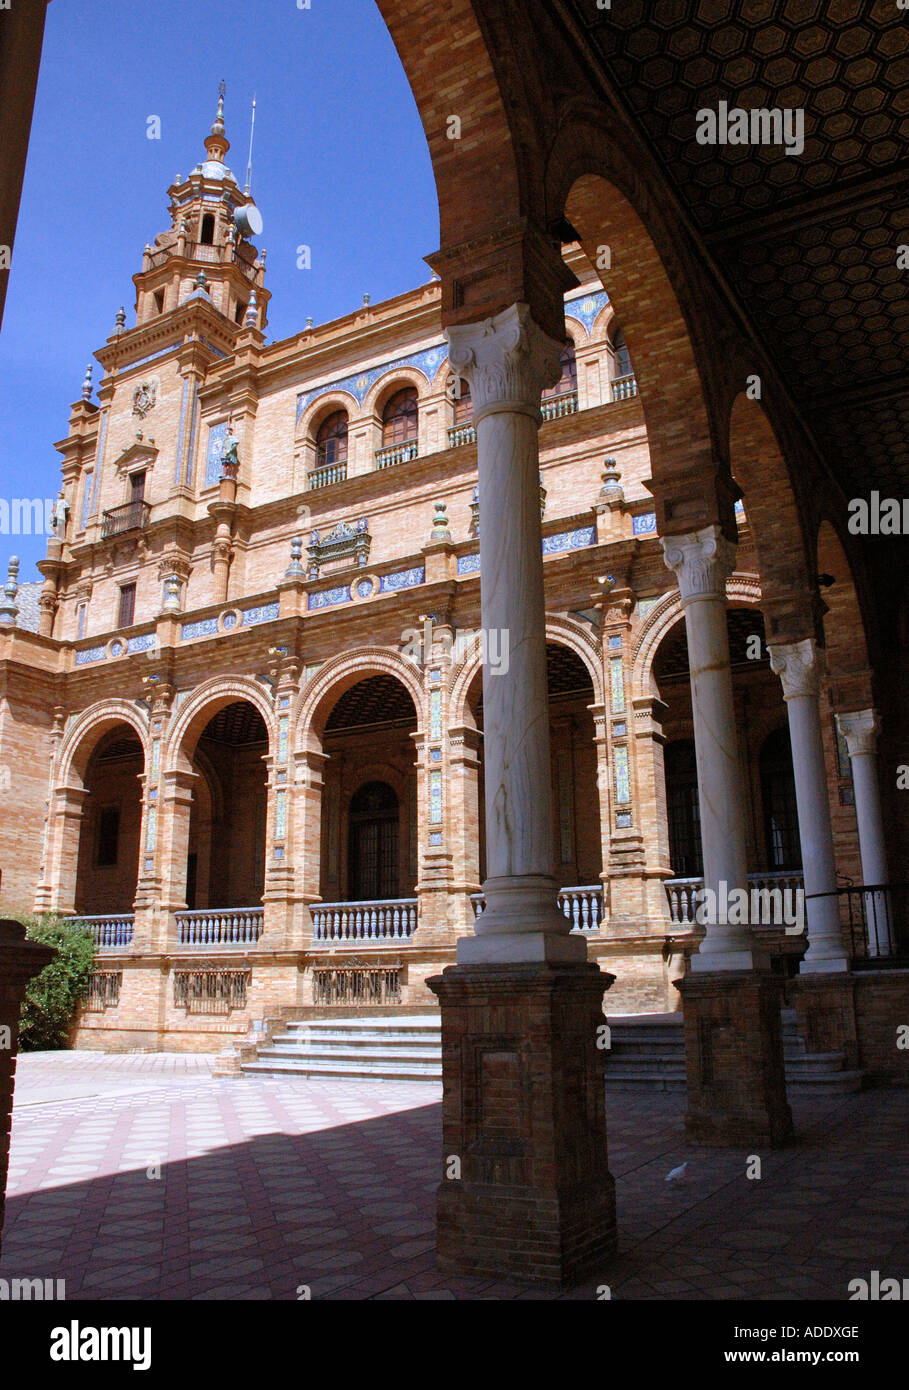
x,y
683,893
624,387
132,516
394,919
238,926
557,406
461,434
875,919
398,453
110,933
326,475
582,905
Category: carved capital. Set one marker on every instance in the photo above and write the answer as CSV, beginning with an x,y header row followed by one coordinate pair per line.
x,y
860,729
508,361
800,666
702,561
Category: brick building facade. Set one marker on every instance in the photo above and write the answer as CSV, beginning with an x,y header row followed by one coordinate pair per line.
x,y
244,719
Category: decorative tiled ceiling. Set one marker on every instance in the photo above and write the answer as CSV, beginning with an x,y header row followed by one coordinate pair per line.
x,y
808,242
671,660
377,700
236,724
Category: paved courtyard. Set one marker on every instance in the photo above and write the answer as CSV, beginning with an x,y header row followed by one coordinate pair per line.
x,y
143,1176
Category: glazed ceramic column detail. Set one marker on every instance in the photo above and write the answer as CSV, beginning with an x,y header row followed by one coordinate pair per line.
x,y
508,361
702,561
799,666
860,730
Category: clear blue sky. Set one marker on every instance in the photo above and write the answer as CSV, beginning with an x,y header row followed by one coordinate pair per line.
x,y
341,164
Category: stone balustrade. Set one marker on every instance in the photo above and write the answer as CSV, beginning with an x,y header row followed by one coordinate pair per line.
x,y
238,926
398,453
556,406
624,387
683,893
582,905
394,919
461,434
327,475
111,933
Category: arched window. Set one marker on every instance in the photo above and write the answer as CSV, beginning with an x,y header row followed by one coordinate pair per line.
x,y
463,405
208,229
683,809
568,381
331,439
399,418
623,365
781,821
372,861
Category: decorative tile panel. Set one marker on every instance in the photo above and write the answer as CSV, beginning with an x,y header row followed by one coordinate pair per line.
x,y
644,524
435,714
91,654
282,739
266,614
617,684
615,642
206,627
216,437
143,643
150,829
280,815
361,383
469,564
326,598
435,798
569,540
586,306
622,784
403,579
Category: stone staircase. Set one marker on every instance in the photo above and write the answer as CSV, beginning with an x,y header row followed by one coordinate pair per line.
x,y
402,1047
647,1052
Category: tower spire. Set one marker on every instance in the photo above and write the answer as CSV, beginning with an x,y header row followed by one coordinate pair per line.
x,y
217,143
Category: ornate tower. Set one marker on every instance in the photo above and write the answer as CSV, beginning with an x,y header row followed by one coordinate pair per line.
x,y
207,250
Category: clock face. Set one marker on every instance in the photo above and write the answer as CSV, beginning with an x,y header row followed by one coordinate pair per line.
x,y
249,220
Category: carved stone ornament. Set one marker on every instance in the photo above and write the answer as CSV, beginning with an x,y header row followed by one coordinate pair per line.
x,y
507,361
702,561
144,398
799,666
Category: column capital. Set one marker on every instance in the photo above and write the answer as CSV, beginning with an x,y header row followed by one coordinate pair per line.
x,y
800,667
702,560
860,729
508,360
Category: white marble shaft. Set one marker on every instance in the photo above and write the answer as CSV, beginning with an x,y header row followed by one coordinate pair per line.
x,y
702,561
799,666
860,730
508,361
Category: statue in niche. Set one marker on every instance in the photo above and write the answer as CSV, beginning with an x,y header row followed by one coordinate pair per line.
x,y
59,516
230,460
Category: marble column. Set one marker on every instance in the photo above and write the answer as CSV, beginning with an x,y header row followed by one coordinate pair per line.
x,y
799,666
526,1192
508,361
702,561
860,730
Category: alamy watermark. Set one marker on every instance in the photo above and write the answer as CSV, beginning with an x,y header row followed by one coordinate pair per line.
x,y
28,516
734,125
766,907
428,644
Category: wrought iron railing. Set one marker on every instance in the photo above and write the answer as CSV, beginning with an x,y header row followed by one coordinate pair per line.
x,y
393,919
326,475
397,453
461,434
111,933
210,991
683,893
132,516
624,387
583,906
235,926
356,983
556,406
875,921
102,991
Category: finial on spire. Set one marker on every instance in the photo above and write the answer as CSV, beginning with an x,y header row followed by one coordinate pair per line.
x,y
218,127
9,608
87,383
252,312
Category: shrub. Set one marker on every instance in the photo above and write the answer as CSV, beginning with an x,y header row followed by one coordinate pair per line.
x,y
52,997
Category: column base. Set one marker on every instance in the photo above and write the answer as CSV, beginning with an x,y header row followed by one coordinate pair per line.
x,y
734,1060
527,1194
825,1010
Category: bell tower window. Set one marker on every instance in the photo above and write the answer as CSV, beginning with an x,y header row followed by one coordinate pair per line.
x,y
159,301
208,229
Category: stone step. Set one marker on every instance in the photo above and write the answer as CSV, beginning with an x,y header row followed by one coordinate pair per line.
x,y
358,1071
355,1053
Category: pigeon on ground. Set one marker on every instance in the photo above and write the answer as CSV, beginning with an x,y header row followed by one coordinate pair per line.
x,y
676,1175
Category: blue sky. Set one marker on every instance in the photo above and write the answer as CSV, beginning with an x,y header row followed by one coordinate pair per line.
x,y
340,164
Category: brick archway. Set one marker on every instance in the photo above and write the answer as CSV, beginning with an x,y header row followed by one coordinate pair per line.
x,y
83,737
205,702
334,677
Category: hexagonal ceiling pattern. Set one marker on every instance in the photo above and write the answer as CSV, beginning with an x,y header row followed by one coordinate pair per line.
x,y
808,242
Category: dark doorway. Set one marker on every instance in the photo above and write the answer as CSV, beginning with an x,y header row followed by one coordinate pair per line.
x,y
373,844
683,809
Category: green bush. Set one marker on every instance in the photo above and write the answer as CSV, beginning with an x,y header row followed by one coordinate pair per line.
x,y
52,997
